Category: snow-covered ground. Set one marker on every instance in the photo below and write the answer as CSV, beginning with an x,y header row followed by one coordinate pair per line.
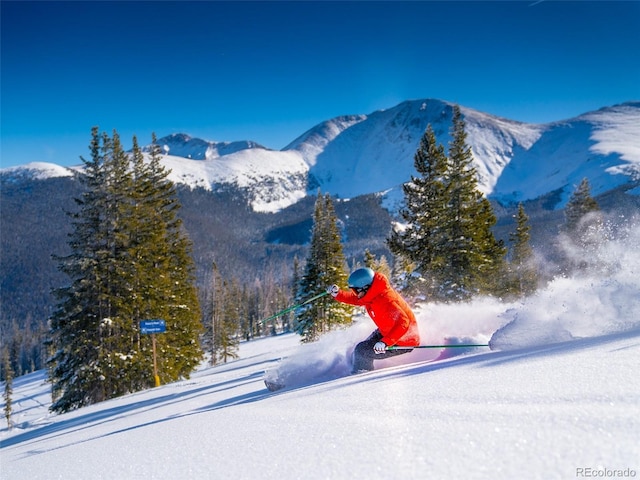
x,y
556,397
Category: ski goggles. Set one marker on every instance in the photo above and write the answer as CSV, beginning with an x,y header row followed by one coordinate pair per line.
x,y
360,290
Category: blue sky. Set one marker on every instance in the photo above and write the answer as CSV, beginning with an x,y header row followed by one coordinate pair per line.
x,y
269,71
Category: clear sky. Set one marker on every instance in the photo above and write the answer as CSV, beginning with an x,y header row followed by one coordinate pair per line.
x,y
269,71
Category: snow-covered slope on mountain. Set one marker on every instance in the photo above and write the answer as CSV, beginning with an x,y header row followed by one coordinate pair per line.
x,y
603,146
36,171
313,142
182,145
617,130
376,153
359,154
273,180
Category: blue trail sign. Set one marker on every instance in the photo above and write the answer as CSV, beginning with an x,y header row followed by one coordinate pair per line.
x,y
152,326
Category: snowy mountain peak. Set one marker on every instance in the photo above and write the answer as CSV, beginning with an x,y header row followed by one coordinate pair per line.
x,y
311,143
183,145
376,153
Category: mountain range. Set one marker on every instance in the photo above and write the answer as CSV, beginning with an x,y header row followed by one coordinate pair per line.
x,y
249,208
354,155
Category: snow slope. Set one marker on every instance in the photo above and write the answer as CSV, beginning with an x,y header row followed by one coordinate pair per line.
x,y
273,180
603,146
538,412
557,397
37,171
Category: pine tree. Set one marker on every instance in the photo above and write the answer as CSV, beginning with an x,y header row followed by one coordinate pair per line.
x,y
215,307
582,213
448,237
488,266
117,359
377,265
76,372
251,325
584,227
325,266
227,338
522,270
130,261
8,387
223,326
172,295
425,203
290,294
474,256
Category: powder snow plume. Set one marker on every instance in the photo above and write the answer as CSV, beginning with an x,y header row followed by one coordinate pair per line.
x,y
602,299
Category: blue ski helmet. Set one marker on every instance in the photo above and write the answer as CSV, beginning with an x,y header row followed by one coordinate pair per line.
x,y
361,278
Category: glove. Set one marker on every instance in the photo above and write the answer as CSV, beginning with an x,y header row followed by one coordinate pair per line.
x,y
333,290
380,347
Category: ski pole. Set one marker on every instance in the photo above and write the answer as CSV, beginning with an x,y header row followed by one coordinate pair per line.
x,y
438,346
287,310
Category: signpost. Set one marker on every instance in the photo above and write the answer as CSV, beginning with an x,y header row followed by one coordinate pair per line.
x,y
152,327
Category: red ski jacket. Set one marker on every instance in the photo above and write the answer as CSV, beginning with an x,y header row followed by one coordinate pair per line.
x,y
388,310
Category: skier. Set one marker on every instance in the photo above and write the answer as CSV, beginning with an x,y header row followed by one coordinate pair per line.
x,y
392,315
